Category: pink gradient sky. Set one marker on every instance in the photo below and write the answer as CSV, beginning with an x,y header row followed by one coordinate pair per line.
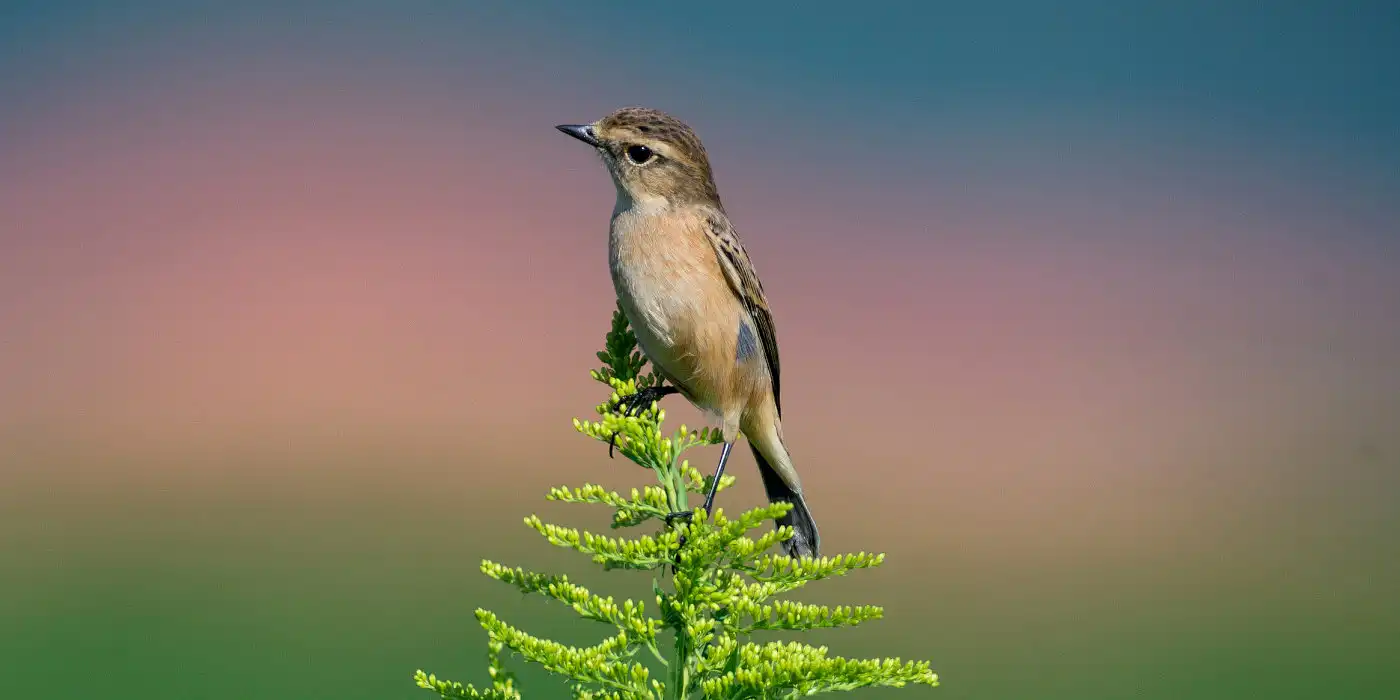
x,y
1088,318
215,256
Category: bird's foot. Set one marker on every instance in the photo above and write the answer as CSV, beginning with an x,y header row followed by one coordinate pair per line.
x,y
644,398
638,402
684,516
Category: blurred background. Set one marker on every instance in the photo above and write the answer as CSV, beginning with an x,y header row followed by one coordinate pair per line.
x,y
1090,314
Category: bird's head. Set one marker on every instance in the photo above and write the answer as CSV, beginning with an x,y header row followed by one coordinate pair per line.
x,y
653,157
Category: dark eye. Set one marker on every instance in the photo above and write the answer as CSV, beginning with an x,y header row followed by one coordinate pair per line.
x,y
639,155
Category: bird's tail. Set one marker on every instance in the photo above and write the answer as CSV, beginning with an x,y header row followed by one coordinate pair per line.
x,y
805,540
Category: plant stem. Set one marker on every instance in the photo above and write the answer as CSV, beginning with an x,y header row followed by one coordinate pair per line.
x,y
674,485
678,485
677,685
665,480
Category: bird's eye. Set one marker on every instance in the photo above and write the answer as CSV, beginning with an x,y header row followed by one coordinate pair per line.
x,y
639,155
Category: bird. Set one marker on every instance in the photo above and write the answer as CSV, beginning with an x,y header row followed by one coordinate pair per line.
x,y
694,301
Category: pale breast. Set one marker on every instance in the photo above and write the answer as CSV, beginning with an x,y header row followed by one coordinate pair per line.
x,y
673,292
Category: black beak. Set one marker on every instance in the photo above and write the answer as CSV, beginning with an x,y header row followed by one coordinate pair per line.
x,y
582,132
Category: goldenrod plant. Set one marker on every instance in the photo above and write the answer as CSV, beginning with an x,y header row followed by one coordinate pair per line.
x,y
724,584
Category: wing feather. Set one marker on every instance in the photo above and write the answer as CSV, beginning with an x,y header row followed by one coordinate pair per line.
x,y
744,282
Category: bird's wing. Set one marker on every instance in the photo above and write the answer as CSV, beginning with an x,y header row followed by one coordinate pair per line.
x,y
743,281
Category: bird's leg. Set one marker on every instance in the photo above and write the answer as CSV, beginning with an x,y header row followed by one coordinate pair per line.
x,y
684,515
719,472
639,402
709,499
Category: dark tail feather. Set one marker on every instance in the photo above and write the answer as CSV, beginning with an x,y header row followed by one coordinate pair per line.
x,y
805,541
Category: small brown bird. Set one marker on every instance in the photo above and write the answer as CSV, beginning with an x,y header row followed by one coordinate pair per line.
x,y
692,296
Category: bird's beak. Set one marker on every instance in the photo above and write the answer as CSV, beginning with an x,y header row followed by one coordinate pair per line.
x,y
582,132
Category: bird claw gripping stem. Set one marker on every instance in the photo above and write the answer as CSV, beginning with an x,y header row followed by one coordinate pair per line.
x,y
684,516
637,402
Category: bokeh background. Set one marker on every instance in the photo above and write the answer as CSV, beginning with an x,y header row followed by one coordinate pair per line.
x,y
1090,316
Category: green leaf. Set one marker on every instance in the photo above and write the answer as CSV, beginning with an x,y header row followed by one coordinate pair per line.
x,y
452,690
629,616
601,664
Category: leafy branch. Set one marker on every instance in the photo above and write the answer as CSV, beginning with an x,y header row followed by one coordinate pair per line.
x,y
725,582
